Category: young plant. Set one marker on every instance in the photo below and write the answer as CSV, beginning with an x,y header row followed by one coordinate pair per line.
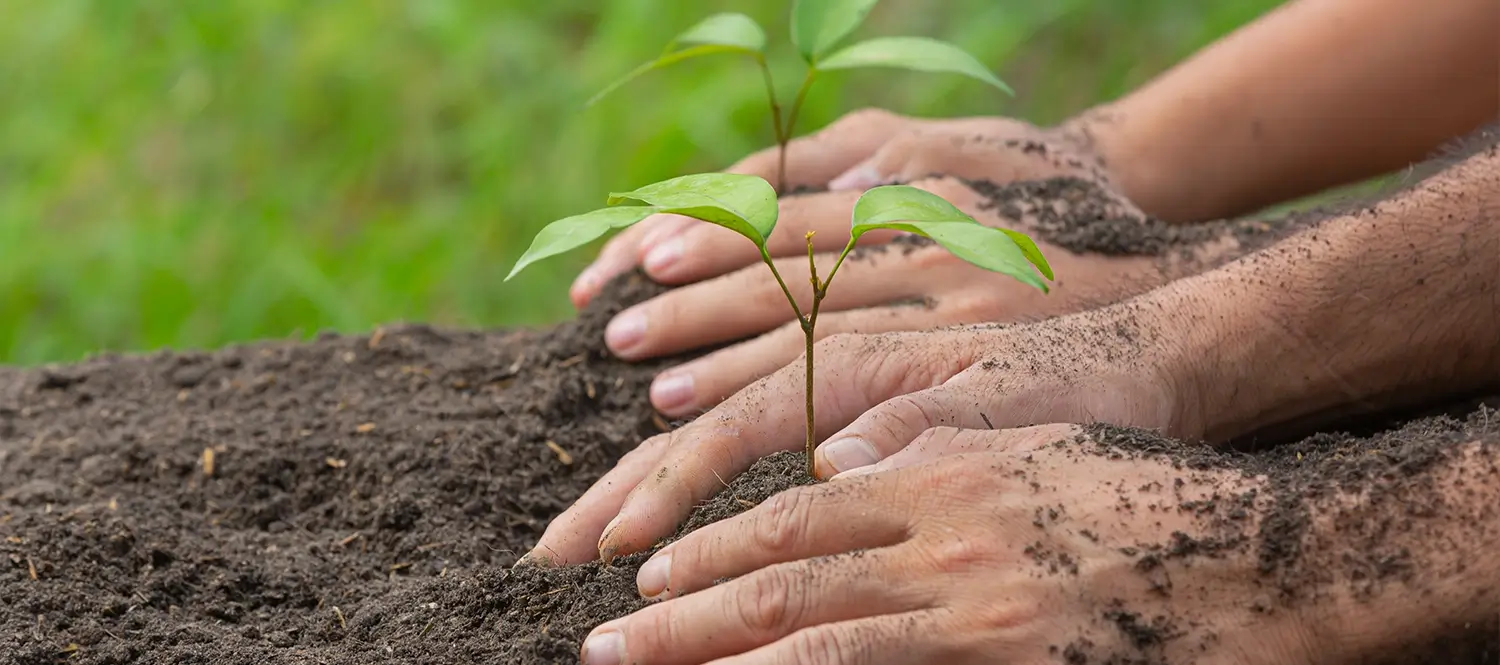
x,y
747,205
817,26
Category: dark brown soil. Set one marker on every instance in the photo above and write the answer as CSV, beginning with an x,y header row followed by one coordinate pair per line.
x,y
361,499
1081,216
344,473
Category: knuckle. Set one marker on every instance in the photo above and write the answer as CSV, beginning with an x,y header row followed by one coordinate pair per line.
x,y
784,520
649,448
914,412
987,617
768,606
957,555
822,645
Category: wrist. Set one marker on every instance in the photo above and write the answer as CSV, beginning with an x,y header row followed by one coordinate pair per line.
x,y
1225,364
1135,163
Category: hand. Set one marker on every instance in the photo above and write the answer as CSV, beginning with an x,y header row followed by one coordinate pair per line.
x,y
881,392
917,286
860,150
1027,554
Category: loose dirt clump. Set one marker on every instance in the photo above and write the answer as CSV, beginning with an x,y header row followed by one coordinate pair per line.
x,y
1081,216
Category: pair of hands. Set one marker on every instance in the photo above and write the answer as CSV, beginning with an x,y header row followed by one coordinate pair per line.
x,y
726,295
887,399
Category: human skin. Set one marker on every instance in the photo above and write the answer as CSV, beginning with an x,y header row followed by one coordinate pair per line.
x,y
1381,307
1011,552
1284,107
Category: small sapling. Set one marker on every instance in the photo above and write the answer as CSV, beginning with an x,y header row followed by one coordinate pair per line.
x,y
817,27
747,204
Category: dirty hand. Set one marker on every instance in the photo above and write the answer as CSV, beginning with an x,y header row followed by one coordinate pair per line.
x,y
1029,554
861,150
908,284
876,394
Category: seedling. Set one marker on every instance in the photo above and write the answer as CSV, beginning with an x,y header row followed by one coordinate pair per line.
x,y
747,205
817,26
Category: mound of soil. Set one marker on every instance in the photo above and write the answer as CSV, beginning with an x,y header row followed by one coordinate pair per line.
x,y
353,499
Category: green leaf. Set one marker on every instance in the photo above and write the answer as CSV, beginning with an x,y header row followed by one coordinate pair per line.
x,y
727,29
915,53
926,214
745,204
720,33
1031,251
819,25
576,231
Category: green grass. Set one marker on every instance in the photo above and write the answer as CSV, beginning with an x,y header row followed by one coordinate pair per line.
x,y
191,174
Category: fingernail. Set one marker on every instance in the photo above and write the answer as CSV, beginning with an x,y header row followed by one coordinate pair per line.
x,y
849,453
859,177
604,649
653,577
663,256
609,528
672,391
626,330
586,279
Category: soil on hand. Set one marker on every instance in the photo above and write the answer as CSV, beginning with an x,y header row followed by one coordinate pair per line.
x,y
348,500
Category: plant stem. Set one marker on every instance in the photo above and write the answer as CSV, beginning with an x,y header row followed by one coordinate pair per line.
x,y
781,136
785,137
808,332
766,258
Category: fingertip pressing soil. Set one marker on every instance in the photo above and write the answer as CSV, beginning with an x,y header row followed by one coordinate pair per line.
x,y
535,614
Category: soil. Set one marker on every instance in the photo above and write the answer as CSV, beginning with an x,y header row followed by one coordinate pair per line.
x,y
361,499
1082,216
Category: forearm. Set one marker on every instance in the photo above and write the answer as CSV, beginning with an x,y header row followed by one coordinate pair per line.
x,y
1316,93
1395,305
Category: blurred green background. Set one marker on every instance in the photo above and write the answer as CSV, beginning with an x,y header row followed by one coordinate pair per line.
x,y
194,173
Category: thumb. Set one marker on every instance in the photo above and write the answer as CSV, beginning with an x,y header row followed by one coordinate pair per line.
x,y
944,441
893,425
853,373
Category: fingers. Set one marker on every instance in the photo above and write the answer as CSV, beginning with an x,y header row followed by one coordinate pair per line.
x,y
894,424
760,608
811,161
911,637
621,253
573,536
799,523
854,372
750,301
702,383
943,441
747,302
